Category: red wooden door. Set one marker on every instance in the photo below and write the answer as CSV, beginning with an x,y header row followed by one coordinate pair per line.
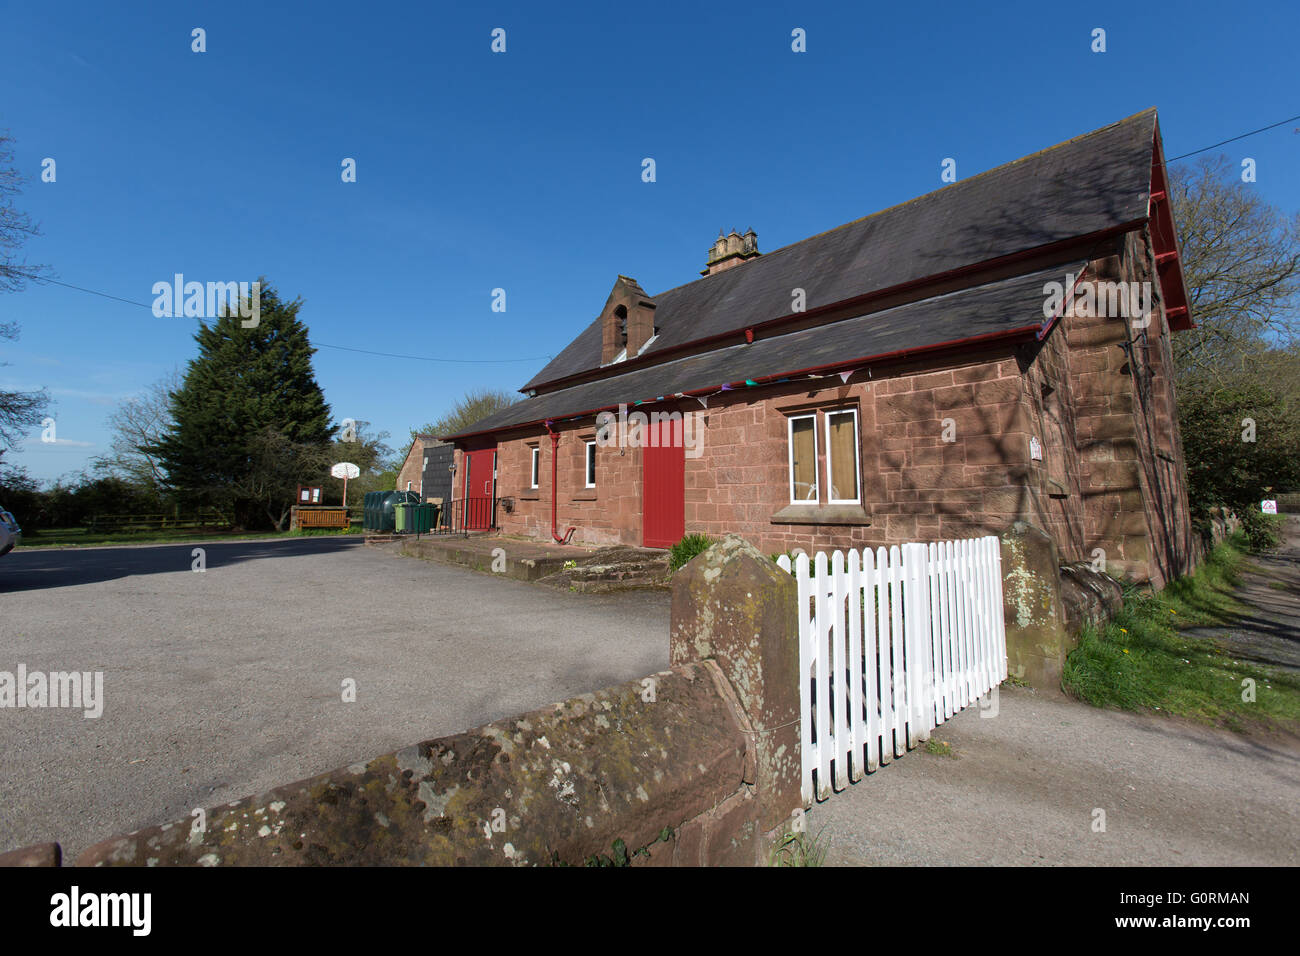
x,y
663,488
480,479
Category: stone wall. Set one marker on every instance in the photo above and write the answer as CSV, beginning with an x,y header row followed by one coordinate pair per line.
x,y
696,765
1133,478
1215,529
555,786
943,454
412,468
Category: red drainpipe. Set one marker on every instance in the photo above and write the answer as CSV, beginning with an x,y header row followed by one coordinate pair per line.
x,y
555,444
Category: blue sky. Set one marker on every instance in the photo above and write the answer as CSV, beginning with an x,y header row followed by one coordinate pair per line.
x,y
522,170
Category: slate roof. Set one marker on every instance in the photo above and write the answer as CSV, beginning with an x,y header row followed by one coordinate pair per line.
x,y
1086,185
1007,306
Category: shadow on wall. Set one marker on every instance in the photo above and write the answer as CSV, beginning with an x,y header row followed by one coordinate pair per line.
x,y
23,570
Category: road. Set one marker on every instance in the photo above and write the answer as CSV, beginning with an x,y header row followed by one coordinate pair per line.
x,y
1023,789
223,683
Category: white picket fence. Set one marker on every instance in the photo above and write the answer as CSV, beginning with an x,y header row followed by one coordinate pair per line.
x,y
891,645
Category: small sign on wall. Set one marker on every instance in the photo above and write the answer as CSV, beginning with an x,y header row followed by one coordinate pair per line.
x,y
1269,506
1035,449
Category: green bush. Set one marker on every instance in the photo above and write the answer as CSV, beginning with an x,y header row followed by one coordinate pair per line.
x,y
1263,532
687,548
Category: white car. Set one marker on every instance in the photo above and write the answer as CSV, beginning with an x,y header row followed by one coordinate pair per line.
x,y
10,533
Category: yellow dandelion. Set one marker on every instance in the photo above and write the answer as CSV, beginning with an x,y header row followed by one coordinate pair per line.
x,y
1126,650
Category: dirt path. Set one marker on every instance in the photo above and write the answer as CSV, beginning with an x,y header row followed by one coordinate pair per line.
x,y
1270,633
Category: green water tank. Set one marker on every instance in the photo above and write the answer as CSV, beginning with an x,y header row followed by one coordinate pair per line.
x,y
370,512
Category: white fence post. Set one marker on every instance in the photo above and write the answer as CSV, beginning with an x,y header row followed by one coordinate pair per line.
x,y
871,658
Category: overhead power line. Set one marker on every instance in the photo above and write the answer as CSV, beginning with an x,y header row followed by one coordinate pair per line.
x,y
1262,129
320,345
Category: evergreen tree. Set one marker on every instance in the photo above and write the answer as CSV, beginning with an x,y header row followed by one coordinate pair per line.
x,y
248,389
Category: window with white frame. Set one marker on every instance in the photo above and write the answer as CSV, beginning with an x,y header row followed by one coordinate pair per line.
x,y
803,459
591,464
537,461
843,473
843,482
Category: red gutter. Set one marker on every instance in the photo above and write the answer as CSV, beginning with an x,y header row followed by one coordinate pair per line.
x,y
555,444
1023,333
1065,303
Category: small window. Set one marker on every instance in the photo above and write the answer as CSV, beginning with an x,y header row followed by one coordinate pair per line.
x,y
842,479
591,464
803,459
537,460
620,314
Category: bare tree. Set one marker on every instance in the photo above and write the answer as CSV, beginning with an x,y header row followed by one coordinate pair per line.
x,y
1241,262
475,406
19,411
138,425
16,227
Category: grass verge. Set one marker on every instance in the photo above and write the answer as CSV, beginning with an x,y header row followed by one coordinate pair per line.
x,y
1141,661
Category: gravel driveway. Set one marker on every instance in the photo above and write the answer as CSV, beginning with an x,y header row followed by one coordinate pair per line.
x,y
220,684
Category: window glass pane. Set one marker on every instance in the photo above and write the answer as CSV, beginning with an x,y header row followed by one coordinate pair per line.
x,y
591,464
843,456
803,455
536,456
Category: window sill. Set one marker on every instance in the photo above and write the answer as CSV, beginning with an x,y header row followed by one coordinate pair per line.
x,y
822,514
531,496
591,497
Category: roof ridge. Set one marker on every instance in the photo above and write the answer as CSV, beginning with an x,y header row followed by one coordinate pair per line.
x,y
933,192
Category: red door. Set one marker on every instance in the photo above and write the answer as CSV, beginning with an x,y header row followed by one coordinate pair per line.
x,y
480,478
663,490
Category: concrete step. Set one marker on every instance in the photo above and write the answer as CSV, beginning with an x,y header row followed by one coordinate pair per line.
x,y
614,569
605,569
513,560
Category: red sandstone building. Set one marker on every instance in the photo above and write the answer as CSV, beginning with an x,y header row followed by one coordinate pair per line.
x,y
912,375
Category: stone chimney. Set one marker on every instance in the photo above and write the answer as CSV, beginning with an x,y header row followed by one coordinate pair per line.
x,y
731,250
